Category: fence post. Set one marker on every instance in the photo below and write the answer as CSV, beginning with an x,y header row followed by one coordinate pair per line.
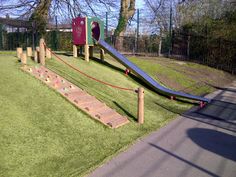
x,y
1,33
23,58
160,44
106,24
19,52
41,52
137,41
188,46
170,33
140,105
29,51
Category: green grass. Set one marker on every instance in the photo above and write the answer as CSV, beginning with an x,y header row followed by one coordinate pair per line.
x,y
42,134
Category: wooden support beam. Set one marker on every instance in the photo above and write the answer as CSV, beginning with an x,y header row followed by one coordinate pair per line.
x,y
75,51
86,52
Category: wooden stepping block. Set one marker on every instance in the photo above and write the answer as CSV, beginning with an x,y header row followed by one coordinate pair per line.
x,y
80,98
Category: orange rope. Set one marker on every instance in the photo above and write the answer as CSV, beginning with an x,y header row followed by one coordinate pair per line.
x,y
105,83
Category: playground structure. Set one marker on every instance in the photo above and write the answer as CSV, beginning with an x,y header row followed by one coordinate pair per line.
x,y
84,31
78,97
88,33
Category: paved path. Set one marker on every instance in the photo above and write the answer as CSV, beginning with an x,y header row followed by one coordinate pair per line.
x,y
197,144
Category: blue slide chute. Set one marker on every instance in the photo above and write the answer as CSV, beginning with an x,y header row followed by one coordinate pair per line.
x,y
144,76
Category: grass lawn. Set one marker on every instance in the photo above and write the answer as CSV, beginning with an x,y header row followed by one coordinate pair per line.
x,y
44,135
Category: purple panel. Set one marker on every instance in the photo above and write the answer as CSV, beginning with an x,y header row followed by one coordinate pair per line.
x,y
79,31
95,30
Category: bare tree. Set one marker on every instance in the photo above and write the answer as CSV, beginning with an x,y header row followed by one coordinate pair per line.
x,y
127,10
41,11
159,12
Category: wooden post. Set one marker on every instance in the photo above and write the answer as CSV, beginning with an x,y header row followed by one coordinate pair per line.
x,y
91,51
75,52
102,54
140,105
86,52
29,52
41,52
188,46
36,56
23,58
19,52
48,53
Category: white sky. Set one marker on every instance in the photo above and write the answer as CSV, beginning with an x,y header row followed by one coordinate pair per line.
x,y
139,4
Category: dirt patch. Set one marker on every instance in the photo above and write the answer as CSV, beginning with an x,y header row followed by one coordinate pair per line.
x,y
208,76
170,83
204,77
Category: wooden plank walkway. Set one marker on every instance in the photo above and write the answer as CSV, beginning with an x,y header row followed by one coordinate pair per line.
x,y
80,98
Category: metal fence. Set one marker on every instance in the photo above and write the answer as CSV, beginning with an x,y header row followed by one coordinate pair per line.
x,y
214,52
144,45
218,53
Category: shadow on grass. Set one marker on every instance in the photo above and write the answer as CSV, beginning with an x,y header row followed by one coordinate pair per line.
x,y
68,54
125,111
222,88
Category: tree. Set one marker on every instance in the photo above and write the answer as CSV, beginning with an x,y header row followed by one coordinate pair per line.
x,y
41,11
40,15
214,17
127,10
159,13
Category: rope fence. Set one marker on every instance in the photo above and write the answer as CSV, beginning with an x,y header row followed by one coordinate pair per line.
x,y
88,76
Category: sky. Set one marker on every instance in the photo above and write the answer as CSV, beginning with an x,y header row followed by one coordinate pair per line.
x,y
139,4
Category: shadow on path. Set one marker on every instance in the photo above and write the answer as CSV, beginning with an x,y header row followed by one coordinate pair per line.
x,y
218,113
214,141
183,160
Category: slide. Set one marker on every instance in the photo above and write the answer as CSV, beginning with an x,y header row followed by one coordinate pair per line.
x,y
144,76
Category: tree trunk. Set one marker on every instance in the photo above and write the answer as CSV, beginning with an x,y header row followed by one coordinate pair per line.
x,y
40,16
127,10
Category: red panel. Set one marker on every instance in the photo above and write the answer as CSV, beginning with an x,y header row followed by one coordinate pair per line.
x,y
79,31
